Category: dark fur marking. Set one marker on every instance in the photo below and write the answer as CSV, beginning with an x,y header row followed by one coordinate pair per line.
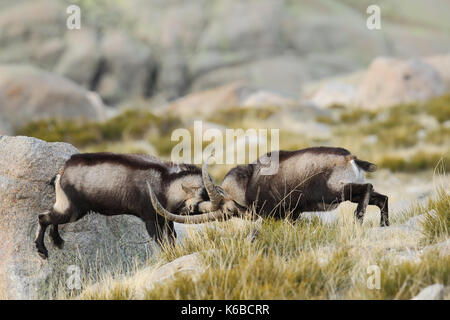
x,y
283,155
366,165
132,161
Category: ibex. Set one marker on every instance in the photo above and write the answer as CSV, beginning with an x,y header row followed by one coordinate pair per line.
x,y
115,184
312,179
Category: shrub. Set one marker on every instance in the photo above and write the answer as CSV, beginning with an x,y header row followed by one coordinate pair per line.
x,y
81,132
418,162
439,108
326,120
236,116
356,115
78,132
439,136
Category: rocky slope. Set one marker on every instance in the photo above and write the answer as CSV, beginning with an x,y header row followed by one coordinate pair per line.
x,y
175,47
387,82
26,167
29,94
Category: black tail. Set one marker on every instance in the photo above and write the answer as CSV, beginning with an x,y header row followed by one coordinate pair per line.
x,y
52,181
365,165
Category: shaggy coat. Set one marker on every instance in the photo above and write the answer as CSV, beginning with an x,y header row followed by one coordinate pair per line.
x,y
115,184
312,179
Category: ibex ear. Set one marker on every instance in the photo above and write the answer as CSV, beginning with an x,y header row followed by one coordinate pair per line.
x,y
189,190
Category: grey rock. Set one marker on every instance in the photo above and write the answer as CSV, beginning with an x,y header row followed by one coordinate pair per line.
x,y
442,65
32,31
433,292
28,93
442,247
81,58
191,264
265,98
208,102
334,93
26,167
145,279
197,45
389,82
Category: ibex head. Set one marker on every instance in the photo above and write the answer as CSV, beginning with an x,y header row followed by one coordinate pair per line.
x,y
219,197
220,207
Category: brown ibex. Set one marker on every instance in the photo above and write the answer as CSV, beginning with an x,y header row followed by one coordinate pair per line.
x,y
312,179
115,184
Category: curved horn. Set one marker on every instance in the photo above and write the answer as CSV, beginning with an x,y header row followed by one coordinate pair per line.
x,y
200,218
214,195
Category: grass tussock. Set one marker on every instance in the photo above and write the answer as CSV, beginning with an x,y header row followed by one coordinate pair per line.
x,y
259,275
238,116
417,162
282,263
405,280
439,136
129,125
439,107
398,128
436,225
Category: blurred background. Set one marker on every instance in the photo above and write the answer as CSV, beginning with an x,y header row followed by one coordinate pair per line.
x,y
137,69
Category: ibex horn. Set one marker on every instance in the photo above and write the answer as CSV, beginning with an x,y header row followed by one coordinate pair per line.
x,y
214,195
200,218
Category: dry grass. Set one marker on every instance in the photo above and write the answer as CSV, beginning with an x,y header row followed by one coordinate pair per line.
x,y
436,225
307,259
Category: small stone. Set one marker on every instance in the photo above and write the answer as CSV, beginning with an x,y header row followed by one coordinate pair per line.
x,y
433,292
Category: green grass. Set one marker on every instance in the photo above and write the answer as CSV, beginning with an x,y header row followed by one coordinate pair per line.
x,y
128,125
419,161
237,117
356,115
395,128
439,108
436,225
439,136
392,129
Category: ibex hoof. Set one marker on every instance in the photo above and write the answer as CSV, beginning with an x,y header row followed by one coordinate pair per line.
x,y
384,224
59,243
42,251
